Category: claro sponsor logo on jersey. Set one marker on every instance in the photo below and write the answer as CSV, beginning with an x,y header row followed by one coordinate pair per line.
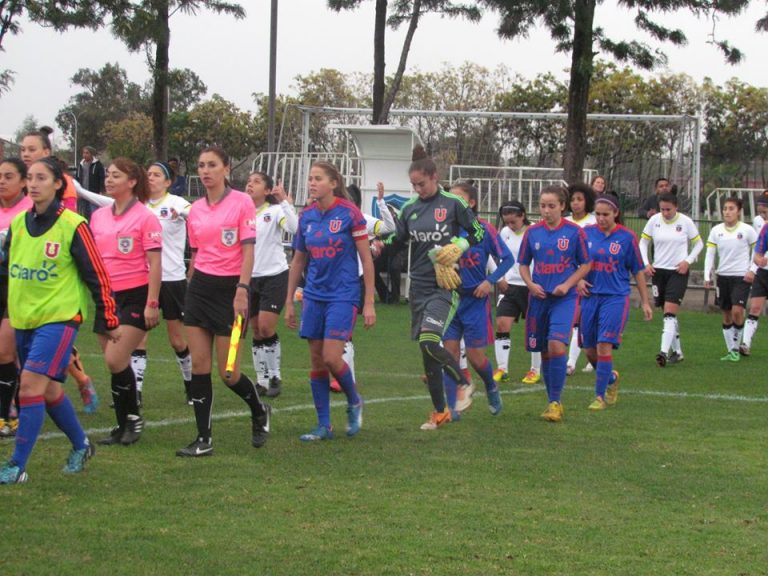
x,y
554,268
440,232
42,274
608,267
333,249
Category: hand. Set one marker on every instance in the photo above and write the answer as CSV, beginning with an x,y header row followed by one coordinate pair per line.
x,y
380,190
290,316
560,290
279,193
448,255
151,317
649,270
115,334
582,288
240,303
537,291
174,214
376,248
369,315
483,289
708,284
647,312
447,278
503,285
761,260
749,277
682,268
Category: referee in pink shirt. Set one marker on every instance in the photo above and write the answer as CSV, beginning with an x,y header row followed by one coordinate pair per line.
x,y
222,233
129,237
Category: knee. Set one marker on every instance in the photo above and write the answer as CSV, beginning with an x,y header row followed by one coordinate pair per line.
x,y
332,361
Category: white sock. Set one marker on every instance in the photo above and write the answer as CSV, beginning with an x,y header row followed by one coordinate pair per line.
x,y
728,336
668,333
750,328
574,351
502,346
349,357
462,355
139,365
737,332
536,362
185,364
676,342
260,364
272,353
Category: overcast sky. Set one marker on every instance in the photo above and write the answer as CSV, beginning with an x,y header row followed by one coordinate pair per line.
x,y
232,57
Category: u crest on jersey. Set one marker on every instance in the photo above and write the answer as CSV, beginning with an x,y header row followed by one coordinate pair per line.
x,y
334,225
614,248
125,244
52,250
562,244
229,236
441,214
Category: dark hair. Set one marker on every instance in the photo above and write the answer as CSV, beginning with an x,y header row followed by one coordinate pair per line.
x,y
762,198
613,200
218,151
355,194
660,179
18,163
470,191
269,183
586,191
421,162
134,172
594,179
167,170
340,191
671,198
512,206
43,133
735,200
54,167
559,191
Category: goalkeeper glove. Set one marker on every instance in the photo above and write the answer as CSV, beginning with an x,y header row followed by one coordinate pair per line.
x,y
447,277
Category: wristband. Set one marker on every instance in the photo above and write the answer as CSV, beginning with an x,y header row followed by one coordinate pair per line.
x,y
244,286
154,304
462,243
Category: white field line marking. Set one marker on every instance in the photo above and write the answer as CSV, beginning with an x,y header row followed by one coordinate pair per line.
x,y
387,400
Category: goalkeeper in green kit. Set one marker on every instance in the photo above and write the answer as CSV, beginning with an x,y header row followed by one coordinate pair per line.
x,y
431,222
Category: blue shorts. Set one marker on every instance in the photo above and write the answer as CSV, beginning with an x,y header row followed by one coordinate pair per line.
x,y
327,320
472,321
549,319
46,350
603,317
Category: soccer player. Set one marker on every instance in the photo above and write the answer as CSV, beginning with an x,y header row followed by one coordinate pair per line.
x,y
731,243
331,234
129,238
431,221
513,300
559,250
52,262
472,320
671,233
581,202
269,279
759,289
13,199
604,295
222,230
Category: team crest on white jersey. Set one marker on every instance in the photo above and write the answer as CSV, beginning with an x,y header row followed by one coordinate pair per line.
x,y
229,236
267,218
562,244
334,225
125,244
52,249
614,248
164,212
678,228
441,214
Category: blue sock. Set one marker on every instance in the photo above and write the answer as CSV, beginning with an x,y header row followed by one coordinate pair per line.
x,y
347,383
486,374
546,373
63,415
450,385
557,367
31,417
603,375
321,393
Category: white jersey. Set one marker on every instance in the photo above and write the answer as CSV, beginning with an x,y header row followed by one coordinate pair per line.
x,y
269,254
670,241
758,223
172,212
377,227
733,249
588,220
513,240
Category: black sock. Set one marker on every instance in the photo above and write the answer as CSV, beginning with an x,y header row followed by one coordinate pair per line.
x,y
183,354
8,384
201,393
247,391
434,371
124,395
270,340
445,359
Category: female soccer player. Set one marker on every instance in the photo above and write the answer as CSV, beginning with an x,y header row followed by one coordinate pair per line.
x,y
604,295
581,201
431,221
269,279
13,199
472,320
52,262
129,238
671,233
331,234
222,230
759,289
731,243
598,185
513,300
559,250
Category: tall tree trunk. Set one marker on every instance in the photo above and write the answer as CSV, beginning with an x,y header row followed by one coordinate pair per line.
x,y
578,90
160,88
390,98
379,61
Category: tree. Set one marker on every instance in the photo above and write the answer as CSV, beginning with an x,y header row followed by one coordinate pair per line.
x,y
571,25
409,11
143,24
185,89
29,124
131,137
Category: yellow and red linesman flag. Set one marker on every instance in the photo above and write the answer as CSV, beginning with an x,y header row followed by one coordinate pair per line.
x,y
234,344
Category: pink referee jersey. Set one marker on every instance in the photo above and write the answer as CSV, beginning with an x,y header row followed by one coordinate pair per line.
x,y
7,214
124,241
217,231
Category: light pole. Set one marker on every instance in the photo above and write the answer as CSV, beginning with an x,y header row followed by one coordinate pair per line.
x,y
74,137
272,76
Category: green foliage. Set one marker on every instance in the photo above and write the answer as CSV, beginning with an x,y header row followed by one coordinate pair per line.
x,y
131,137
29,124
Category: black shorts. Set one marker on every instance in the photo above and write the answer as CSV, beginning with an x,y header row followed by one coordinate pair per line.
x,y
209,303
431,310
513,303
172,294
130,309
668,286
731,291
268,293
760,284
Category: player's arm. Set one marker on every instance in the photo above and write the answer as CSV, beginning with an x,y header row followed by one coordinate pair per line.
x,y
387,222
364,251
290,220
5,250
709,258
581,257
645,240
298,263
91,197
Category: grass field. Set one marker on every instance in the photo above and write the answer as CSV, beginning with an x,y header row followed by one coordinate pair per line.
x,y
673,480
